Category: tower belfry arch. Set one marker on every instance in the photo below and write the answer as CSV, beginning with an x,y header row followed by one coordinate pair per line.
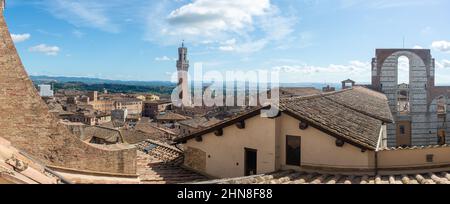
x,y
414,104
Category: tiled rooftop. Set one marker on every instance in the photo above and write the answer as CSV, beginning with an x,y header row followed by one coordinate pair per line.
x,y
349,114
160,163
295,177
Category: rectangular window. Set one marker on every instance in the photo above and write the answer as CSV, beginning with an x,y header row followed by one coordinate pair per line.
x,y
402,130
293,151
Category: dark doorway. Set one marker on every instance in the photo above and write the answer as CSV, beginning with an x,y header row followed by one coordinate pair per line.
x,y
293,151
251,159
404,133
442,136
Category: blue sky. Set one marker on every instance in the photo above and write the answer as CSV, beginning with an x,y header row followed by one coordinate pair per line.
x,y
308,40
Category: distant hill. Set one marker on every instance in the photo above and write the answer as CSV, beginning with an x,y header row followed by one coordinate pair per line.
x,y
93,81
106,83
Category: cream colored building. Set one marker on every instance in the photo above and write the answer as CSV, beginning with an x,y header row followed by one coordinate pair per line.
x,y
338,131
133,106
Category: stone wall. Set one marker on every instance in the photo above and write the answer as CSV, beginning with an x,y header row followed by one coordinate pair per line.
x,y
423,115
195,159
26,122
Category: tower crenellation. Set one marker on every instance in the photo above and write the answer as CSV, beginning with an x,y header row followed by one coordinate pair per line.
x,y
183,62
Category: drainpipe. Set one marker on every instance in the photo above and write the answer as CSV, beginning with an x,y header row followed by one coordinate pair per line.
x,y
376,163
379,143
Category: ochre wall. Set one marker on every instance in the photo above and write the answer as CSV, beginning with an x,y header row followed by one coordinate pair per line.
x,y
413,158
227,152
319,149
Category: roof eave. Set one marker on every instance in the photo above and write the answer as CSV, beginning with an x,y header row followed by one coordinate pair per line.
x,y
337,136
219,126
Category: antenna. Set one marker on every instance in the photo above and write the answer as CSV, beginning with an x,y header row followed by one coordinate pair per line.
x,y
182,44
403,42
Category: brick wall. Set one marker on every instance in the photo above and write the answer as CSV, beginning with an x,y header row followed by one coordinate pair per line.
x,y
195,159
26,122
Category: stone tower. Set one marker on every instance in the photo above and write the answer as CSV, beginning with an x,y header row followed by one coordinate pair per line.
x,y
419,107
27,123
182,69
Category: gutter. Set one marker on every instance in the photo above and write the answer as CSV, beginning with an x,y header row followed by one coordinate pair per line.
x,y
63,180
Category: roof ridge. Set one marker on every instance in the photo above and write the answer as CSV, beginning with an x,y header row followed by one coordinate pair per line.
x,y
314,95
356,110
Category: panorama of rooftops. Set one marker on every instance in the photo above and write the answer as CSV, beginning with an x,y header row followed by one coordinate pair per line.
x,y
224,92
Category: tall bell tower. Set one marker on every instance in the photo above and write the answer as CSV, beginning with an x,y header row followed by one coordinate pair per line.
x,y
183,68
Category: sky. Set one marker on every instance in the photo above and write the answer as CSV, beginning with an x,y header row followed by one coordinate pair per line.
x,y
323,41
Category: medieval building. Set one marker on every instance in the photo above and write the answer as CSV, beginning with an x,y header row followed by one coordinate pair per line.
x,y
419,107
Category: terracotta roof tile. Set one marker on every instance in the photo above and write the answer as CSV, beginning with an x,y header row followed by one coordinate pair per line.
x,y
160,163
324,112
296,177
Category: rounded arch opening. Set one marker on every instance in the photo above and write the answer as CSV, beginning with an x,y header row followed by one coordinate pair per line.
x,y
403,81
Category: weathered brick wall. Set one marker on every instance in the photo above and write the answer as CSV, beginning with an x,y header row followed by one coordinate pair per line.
x,y
195,159
26,122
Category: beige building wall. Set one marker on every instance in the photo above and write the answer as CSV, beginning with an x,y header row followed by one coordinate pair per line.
x,y
414,158
319,150
134,107
225,154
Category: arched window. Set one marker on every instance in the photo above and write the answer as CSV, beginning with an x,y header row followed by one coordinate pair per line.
x,y
403,70
403,99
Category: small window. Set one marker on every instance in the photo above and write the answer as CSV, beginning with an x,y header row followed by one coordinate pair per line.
x,y
293,152
402,129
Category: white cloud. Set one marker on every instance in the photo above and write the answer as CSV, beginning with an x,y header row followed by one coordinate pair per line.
x,y
351,67
385,4
356,70
78,33
417,47
209,17
442,45
163,58
444,64
43,48
17,38
83,13
252,24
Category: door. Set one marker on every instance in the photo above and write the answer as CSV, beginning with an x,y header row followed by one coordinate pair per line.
x,y
442,136
293,151
404,134
251,159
